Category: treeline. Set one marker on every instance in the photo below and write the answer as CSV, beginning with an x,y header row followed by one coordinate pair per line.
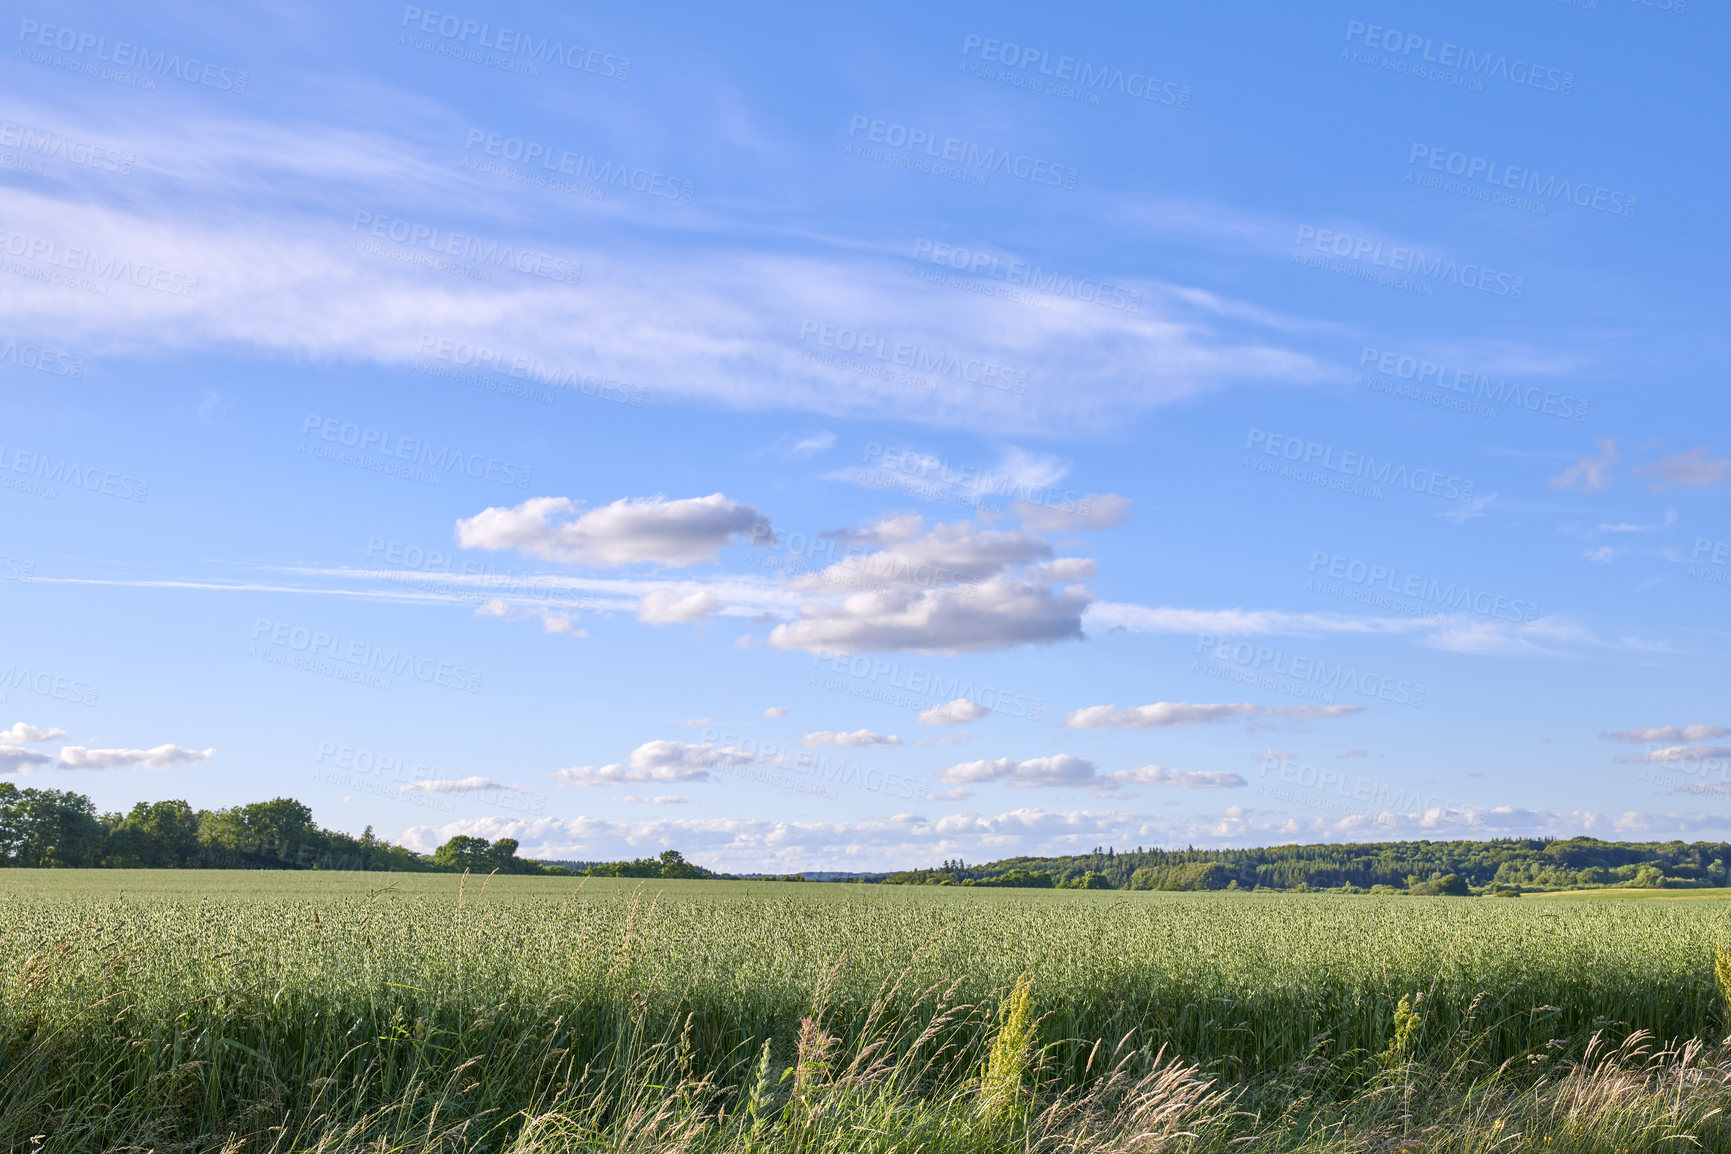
x,y
49,828
1508,865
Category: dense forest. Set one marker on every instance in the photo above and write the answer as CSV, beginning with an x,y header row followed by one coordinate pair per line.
x,y
50,828
1509,865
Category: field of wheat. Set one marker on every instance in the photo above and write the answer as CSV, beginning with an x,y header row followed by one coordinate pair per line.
x,y
164,1010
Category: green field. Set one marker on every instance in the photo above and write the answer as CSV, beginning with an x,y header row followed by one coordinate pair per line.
x,y
190,1009
1640,895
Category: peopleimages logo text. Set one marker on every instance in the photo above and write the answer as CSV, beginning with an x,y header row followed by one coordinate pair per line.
x,y
1422,372
965,153
1409,260
365,439
513,42
1392,579
414,234
979,262
1315,670
365,655
1097,78
1517,179
1485,65
1312,454
126,55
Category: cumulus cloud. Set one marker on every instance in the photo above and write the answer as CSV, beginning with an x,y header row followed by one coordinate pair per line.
x,y
17,759
1058,770
666,607
1695,467
948,588
1589,474
776,711
1095,511
1162,775
1176,713
994,614
658,799
459,785
162,757
1063,570
23,733
1668,733
552,620
947,554
1681,753
668,761
957,712
856,738
629,531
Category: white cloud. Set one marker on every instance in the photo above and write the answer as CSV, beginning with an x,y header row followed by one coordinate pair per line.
x,y
17,759
957,712
1058,770
460,785
798,448
994,614
1161,775
1668,733
1063,570
1095,511
659,754
949,554
776,711
651,529
1629,527
1176,713
856,738
665,607
1226,623
1682,753
1544,637
1589,474
552,620
668,761
1466,511
658,799
1676,824
703,319
1695,467
26,734
162,757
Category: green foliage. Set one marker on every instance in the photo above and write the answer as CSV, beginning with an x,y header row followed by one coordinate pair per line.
x,y
671,864
49,828
1186,876
1018,879
1011,1054
1527,864
163,835
1448,886
1722,979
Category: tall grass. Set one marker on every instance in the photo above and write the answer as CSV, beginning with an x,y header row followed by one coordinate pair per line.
x,y
532,1015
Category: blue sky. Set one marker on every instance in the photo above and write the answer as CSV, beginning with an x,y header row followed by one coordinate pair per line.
x,y
858,438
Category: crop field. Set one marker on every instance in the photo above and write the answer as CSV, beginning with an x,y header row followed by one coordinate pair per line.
x,y
204,1010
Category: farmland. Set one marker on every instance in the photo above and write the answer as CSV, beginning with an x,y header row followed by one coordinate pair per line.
x,y
192,1010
